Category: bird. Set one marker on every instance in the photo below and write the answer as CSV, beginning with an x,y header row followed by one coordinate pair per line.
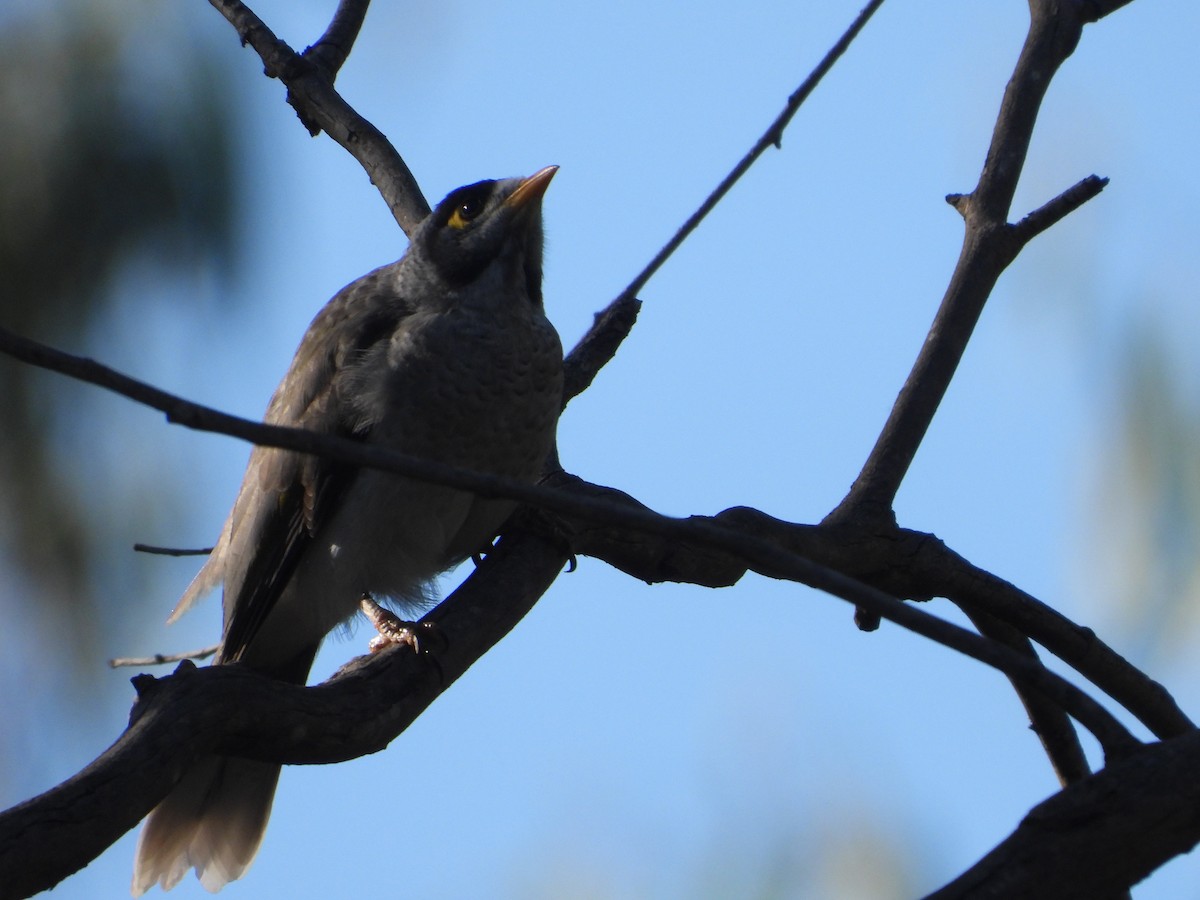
x,y
445,354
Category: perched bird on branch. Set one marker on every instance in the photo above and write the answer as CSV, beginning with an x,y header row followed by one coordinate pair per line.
x,y
447,355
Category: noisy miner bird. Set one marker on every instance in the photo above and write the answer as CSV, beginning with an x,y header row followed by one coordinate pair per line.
x,y
446,354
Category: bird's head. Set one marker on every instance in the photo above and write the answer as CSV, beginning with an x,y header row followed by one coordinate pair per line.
x,y
489,232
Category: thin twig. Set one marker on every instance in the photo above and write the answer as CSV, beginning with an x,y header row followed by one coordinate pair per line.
x,y
613,323
159,659
762,556
1048,720
1057,209
171,551
772,137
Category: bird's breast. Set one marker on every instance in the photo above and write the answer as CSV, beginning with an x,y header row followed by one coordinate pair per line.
x,y
475,393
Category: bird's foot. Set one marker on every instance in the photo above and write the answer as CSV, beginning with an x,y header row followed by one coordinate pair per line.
x,y
392,629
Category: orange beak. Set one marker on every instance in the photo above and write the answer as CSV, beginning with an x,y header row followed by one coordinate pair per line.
x,y
532,188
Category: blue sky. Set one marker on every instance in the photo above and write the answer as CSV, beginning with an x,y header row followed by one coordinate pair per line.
x,y
636,742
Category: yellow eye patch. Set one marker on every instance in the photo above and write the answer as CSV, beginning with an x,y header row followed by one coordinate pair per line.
x,y
465,213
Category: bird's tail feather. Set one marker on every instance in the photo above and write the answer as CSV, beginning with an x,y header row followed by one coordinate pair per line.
x,y
212,821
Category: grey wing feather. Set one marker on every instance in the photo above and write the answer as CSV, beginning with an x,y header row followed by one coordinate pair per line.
x,y
285,496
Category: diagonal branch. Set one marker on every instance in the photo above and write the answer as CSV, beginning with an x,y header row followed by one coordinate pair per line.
x,y
613,323
901,562
989,246
1047,719
762,556
772,137
1057,209
332,49
161,659
235,711
320,106
971,587
1095,10
1099,837
610,327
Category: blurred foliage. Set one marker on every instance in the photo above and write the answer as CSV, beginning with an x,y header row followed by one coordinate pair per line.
x,y
1146,500
847,854
117,146
846,851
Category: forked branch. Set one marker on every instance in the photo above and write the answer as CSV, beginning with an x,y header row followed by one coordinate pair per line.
x,y
321,107
989,246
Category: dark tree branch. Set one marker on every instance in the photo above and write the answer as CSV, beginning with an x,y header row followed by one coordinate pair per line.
x,y
332,49
972,587
1136,814
320,106
1048,720
898,561
912,564
171,551
1095,10
763,556
1057,209
1099,837
610,327
235,711
772,137
612,324
989,245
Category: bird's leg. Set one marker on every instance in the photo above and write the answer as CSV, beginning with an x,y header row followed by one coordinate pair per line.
x,y
392,629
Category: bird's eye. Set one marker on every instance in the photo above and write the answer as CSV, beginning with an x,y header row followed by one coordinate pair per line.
x,y
467,210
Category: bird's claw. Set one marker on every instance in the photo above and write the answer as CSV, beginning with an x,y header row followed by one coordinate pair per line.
x,y
392,629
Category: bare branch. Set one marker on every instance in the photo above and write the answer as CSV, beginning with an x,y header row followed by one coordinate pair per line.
x,y
988,248
598,346
762,556
1053,727
901,562
1095,10
1099,837
1058,208
970,586
311,92
772,137
171,551
333,47
160,659
613,323
1048,720
233,710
